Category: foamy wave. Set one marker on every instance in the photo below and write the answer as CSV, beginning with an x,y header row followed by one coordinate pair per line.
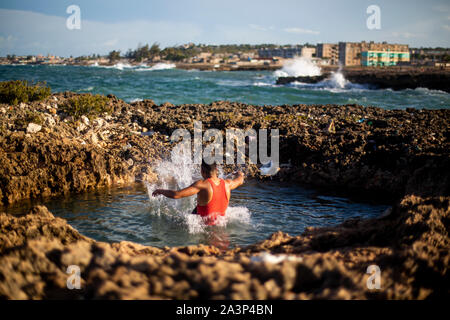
x,y
429,91
118,66
85,89
156,67
163,66
142,67
298,67
232,83
263,84
336,83
122,66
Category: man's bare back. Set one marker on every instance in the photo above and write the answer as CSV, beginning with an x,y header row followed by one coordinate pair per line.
x,y
204,188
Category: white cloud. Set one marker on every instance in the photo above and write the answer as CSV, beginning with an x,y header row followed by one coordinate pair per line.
x,y
406,35
300,31
36,33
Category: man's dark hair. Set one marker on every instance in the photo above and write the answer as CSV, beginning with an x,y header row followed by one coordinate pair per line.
x,y
209,168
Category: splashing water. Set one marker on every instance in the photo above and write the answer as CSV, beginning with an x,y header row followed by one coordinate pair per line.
x,y
335,83
338,80
163,66
142,67
299,67
179,173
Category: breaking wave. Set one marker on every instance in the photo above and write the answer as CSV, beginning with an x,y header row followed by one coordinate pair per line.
x,y
142,67
162,66
298,67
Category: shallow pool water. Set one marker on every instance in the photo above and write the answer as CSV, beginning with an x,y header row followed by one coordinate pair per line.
x,y
256,211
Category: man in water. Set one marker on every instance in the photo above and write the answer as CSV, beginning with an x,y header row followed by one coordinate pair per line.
x,y
213,193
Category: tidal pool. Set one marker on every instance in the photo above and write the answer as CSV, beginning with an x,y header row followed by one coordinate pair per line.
x,y
256,211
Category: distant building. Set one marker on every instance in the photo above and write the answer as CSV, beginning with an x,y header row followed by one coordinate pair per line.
x,y
308,52
349,53
429,56
328,51
372,54
286,53
374,58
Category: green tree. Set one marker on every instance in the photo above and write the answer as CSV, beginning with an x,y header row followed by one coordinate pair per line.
x,y
154,49
142,52
114,56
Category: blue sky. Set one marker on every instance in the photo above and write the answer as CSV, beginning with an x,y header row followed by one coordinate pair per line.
x,y
39,27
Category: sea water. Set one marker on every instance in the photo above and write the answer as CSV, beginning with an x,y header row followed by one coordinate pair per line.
x,y
164,83
256,210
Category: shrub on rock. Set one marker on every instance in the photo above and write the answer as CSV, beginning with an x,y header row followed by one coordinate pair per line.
x,y
86,105
18,91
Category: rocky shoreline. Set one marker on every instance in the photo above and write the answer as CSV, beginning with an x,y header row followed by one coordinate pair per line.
x,y
387,79
400,156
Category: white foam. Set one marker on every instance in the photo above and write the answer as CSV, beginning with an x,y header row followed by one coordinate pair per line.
x,y
233,83
299,67
121,66
179,173
142,67
118,66
336,83
428,91
163,66
338,80
263,84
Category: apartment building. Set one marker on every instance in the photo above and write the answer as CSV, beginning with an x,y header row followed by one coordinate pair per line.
x,y
308,52
372,58
329,51
349,53
372,54
286,53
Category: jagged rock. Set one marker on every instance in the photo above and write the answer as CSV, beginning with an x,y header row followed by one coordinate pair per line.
x,y
85,121
383,79
33,128
395,154
49,121
411,246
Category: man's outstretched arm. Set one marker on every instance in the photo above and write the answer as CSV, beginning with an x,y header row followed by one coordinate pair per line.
x,y
178,194
236,182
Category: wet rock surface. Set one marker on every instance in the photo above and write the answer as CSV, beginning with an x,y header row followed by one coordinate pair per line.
x,y
410,246
71,156
400,154
359,150
395,80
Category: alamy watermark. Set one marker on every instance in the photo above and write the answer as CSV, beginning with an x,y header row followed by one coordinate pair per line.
x,y
374,20
234,138
74,20
74,280
374,281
